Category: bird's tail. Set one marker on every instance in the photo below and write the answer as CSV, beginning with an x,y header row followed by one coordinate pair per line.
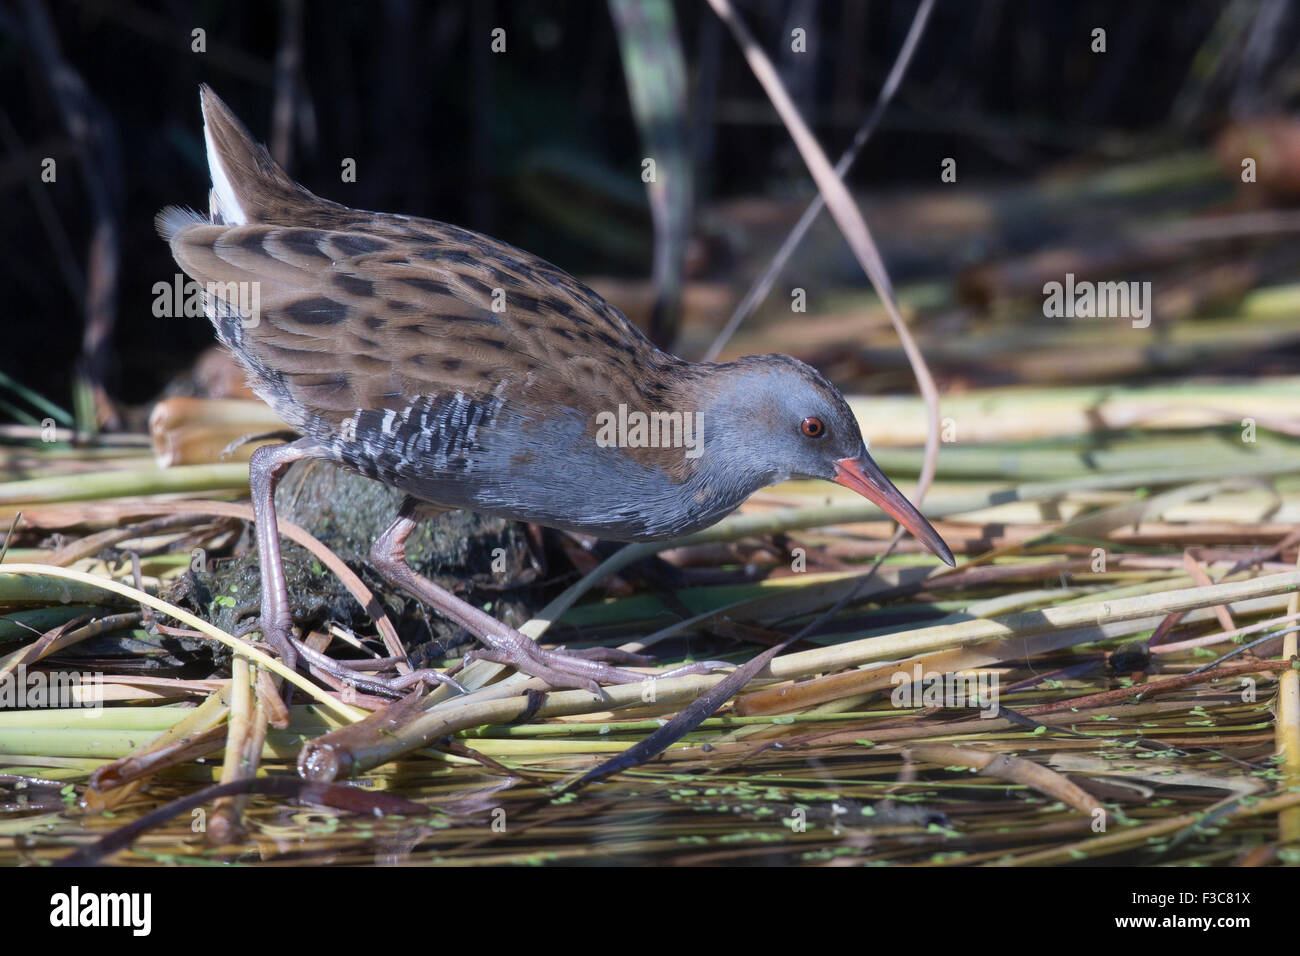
x,y
248,186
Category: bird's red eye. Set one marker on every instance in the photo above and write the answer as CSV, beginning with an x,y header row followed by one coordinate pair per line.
x,y
813,427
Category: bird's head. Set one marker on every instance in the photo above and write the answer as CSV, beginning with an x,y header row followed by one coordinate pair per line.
x,y
782,419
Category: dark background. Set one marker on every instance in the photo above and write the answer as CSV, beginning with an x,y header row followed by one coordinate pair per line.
x,y
441,127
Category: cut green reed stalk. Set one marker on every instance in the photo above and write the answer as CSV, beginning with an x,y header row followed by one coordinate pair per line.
x,y
1136,452
30,624
26,589
109,718
846,688
1025,623
136,720
108,743
1055,414
88,486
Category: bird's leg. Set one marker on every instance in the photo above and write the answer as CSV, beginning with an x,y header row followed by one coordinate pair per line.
x,y
504,645
265,468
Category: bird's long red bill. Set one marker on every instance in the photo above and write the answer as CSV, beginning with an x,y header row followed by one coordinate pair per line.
x,y
864,476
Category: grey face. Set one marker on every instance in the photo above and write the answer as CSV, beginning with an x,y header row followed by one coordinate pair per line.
x,y
792,423
789,420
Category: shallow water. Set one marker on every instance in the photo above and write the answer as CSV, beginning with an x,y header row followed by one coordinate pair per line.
x,y
834,806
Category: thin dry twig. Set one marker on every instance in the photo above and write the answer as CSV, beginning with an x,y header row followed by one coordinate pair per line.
x,y
763,284
848,218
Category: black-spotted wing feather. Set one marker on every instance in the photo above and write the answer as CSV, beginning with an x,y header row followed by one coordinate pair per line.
x,y
370,319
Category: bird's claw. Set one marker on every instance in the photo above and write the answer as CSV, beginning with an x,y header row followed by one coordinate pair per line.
x,y
699,667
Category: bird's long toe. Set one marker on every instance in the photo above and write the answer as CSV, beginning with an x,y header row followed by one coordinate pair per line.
x,y
561,670
612,655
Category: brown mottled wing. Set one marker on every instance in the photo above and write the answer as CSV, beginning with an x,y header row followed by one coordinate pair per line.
x,y
373,311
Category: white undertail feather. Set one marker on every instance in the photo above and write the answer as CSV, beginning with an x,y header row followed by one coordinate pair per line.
x,y
223,201
175,218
